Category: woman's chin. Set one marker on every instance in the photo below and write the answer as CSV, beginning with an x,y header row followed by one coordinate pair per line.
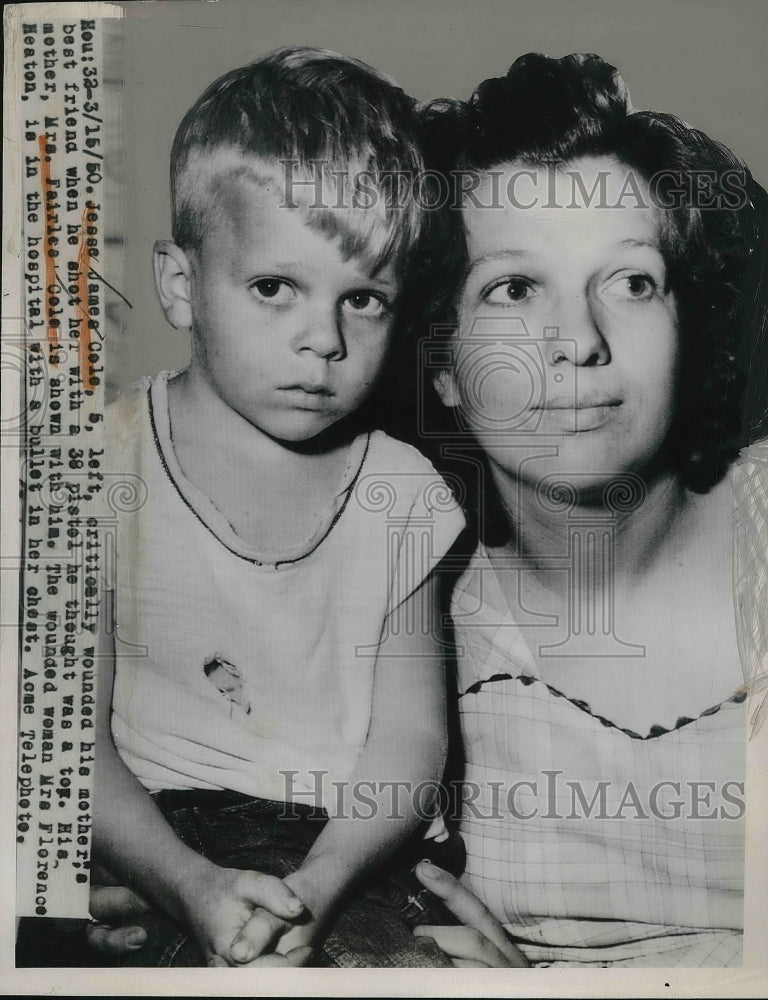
x,y
585,466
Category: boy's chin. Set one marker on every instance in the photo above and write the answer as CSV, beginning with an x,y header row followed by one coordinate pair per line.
x,y
315,437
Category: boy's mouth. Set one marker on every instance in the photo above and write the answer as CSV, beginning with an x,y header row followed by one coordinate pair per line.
x,y
306,395
308,388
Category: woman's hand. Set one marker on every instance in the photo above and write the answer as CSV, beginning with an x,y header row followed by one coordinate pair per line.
x,y
113,907
482,943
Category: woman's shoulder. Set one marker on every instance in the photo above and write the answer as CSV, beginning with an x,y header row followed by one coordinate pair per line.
x,y
750,486
753,460
750,494
742,492
749,480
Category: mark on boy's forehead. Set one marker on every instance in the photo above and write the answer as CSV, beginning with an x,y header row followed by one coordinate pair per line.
x,y
236,176
364,233
361,233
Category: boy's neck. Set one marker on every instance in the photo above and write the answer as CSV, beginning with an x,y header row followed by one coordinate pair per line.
x,y
272,493
215,429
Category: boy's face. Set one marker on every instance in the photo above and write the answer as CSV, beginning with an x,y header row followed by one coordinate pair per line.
x,y
289,334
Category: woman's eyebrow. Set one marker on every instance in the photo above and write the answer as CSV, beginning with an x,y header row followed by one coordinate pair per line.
x,y
375,278
630,243
496,255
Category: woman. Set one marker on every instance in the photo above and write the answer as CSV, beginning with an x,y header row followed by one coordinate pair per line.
x,y
606,263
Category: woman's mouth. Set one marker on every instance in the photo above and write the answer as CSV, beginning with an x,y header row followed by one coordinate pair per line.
x,y
571,416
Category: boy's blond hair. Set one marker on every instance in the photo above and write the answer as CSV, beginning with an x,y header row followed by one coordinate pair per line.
x,y
337,135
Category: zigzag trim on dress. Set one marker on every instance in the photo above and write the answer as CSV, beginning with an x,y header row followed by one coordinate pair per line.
x,y
583,706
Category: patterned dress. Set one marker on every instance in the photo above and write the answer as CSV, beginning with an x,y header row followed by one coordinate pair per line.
x,y
593,844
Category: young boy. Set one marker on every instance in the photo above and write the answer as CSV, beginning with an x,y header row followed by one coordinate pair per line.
x,y
275,594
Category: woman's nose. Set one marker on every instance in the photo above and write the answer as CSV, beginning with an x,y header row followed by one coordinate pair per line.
x,y
580,336
321,333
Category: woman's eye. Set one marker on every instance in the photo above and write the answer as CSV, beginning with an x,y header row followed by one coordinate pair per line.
x,y
365,304
638,287
276,291
510,290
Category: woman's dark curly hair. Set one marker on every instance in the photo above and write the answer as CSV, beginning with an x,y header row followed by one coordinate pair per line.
x,y
548,111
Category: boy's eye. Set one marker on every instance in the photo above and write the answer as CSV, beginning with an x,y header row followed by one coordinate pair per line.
x,y
632,287
273,290
509,290
365,304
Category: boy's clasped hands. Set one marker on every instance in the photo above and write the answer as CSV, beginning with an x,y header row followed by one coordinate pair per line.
x,y
245,917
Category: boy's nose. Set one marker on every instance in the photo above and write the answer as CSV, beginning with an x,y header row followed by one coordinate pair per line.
x,y
580,339
322,335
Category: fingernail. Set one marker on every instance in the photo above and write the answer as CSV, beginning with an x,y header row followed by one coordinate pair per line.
x,y
136,939
430,870
295,905
240,951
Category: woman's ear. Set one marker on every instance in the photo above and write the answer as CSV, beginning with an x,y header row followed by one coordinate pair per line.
x,y
173,274
445,386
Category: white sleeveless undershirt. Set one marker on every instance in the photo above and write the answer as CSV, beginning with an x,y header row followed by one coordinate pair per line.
x,y
234,667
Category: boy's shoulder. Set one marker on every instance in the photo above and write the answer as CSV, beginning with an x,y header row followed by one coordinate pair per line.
x,y
397,478
388,454
126,419
124,412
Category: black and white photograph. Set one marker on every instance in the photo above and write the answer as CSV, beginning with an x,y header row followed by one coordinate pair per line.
x,y
385,498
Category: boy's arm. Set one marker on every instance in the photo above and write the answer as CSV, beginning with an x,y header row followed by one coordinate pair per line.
x,y
133,840
406,744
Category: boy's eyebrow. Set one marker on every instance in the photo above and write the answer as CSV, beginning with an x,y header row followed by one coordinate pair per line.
x,y
373,277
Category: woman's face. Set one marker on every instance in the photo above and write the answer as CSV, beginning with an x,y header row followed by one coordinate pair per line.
x,y
566,353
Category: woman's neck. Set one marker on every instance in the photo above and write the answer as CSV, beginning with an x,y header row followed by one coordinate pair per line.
x,y
539,531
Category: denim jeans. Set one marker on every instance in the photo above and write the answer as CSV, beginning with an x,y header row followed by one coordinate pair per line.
x,y
373,930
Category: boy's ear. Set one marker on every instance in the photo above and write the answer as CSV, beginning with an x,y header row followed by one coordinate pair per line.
x,y
173,280
445,387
